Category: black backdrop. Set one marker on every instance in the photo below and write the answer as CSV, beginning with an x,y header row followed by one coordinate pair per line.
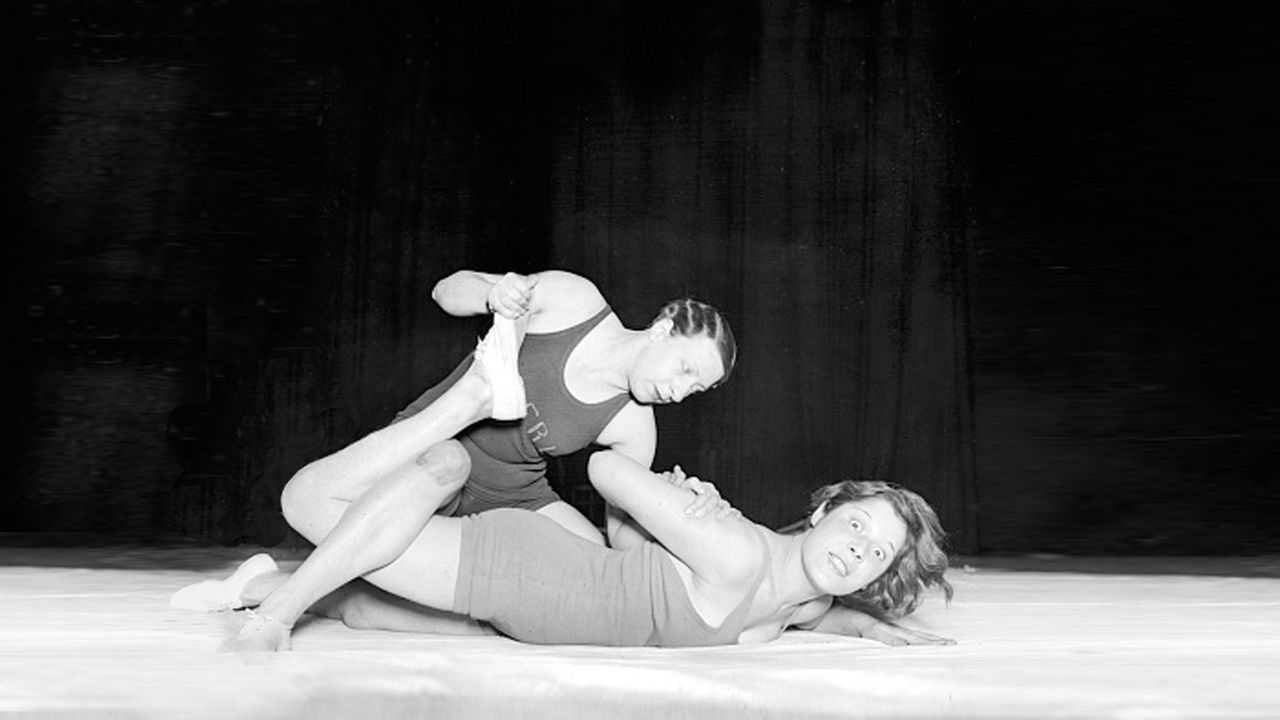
x,y
1005,253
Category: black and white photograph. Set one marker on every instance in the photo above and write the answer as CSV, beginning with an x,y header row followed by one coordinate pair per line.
x,y
778,359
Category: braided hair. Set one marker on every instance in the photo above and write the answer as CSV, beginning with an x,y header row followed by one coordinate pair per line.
x,y
691,318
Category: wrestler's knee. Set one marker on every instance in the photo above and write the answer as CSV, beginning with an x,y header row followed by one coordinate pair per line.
x,y
447,463
300,500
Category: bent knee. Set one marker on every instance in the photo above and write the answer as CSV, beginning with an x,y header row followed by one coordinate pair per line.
x,y
300,503
446,462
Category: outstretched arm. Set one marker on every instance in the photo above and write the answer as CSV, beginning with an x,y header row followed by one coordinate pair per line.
x,y
841,620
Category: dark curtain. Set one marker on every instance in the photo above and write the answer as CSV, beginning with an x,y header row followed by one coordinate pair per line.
x,y
224,220
792,165
156,302
810,191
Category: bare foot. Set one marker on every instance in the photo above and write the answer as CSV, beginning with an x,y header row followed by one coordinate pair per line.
x,y
498,356
261,634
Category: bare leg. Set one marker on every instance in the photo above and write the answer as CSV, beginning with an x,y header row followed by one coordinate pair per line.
x,y
425,574
402,490
362,606
319,493
372,532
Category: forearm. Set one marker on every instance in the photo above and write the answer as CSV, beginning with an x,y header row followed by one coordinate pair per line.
x,y
840,620
465,292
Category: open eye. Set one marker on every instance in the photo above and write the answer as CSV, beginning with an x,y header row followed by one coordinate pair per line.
x,y
857,525
879,554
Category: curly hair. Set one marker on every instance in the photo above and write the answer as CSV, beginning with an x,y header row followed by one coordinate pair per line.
x,y
691,318
919,564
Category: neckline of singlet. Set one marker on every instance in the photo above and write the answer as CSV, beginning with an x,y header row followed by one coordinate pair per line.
x,y
743,607
594,320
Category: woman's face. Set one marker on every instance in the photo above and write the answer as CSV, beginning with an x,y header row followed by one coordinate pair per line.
x,y
673,367
852,545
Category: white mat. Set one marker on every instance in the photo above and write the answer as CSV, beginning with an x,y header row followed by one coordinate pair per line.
x,y
1032,644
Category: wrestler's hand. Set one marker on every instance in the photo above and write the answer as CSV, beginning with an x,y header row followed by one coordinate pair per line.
x,y
675,476
707,497
896,635
511,295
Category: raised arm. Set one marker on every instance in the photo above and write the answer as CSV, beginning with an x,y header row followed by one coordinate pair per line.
x,y
719,550
551,300
466,292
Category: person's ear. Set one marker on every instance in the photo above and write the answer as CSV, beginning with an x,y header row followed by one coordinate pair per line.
x,y
816,516
661,328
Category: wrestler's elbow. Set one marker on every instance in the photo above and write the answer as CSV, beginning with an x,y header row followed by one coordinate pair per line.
x,y
604,469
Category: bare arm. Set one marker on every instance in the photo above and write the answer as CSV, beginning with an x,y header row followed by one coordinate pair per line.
x,y
633,433
465,292
719,550
841,620
551,300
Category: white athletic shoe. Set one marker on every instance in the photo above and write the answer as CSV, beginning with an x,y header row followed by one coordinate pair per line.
x,y
499,353
215,595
